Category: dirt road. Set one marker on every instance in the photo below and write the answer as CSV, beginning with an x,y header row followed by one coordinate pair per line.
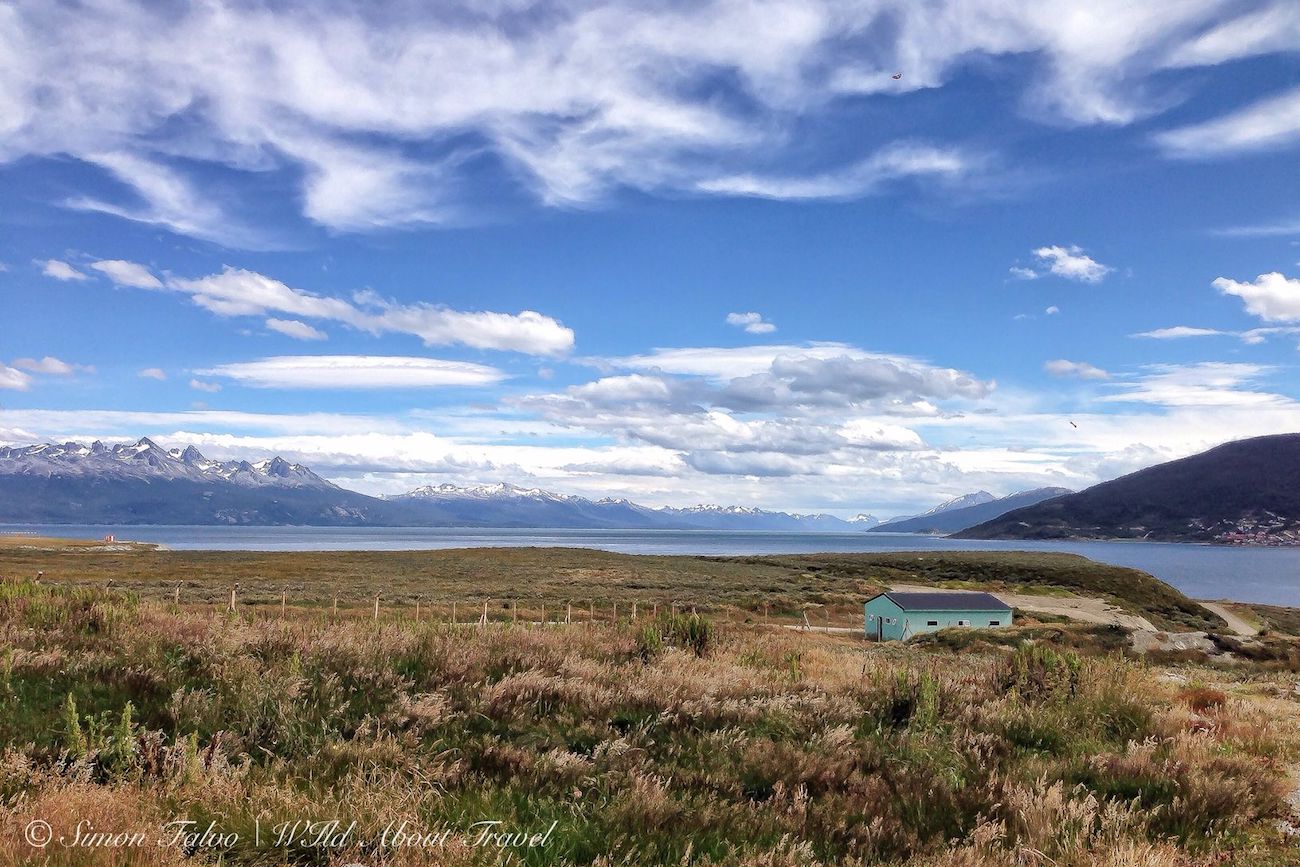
x,y
1235,622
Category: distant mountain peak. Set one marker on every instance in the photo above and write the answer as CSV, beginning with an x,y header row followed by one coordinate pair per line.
x,y
144,459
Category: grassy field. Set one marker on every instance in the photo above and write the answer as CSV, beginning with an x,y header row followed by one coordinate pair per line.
x,y
830,587
673,741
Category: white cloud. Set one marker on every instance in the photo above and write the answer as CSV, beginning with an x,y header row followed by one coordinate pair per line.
x,y
51,366
1178,332
125,273
753,323
1269,124
60,270
1021,273
380,113
897,161
1078,369
296,329
355,372
239,292
1272,297
153,373
15,379
209,387
1209,383
1072,263
1052,310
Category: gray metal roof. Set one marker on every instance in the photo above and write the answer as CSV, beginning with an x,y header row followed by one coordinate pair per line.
x,y
945,600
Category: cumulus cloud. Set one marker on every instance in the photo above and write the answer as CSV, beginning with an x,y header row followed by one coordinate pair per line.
x,y
1077,369
209,387
1022,273
60,270
752,323
1272,297
1072,263
153,373
125,273
379,112
296,329
1051,311
354,372
239,292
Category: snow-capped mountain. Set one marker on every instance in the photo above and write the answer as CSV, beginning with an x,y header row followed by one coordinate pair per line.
x,y
956,519
864,521
963,502
504,504
145,460
143,483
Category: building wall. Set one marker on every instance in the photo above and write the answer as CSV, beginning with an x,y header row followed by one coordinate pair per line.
x,y
881,611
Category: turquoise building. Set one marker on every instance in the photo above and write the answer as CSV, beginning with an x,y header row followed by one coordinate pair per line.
x,y
899,614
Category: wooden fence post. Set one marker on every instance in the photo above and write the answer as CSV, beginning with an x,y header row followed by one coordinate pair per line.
x,y
376,607
336,604
483,621
633,610
232,598
284,599
568,614
177,598
514,611
417,609
591,613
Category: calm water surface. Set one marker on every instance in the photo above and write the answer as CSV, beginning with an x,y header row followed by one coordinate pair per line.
x,y
1268,575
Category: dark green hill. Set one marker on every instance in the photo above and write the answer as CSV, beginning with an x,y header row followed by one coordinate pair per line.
x,y
1243,491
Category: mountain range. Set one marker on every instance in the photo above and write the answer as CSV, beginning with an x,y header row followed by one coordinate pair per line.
x,y
1242,492
963,512
142,483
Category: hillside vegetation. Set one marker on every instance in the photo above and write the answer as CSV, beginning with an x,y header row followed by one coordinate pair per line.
x,y
1244,487
833,586
670,741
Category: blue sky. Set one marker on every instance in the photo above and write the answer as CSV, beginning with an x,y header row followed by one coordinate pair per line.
x,y
674,252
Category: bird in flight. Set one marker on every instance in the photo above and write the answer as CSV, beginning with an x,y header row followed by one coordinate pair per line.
x,y
1073,425
896,76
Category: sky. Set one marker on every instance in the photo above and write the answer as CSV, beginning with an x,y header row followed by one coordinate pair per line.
x,y
812,256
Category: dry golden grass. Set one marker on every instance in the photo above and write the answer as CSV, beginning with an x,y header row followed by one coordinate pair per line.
x,y
645,743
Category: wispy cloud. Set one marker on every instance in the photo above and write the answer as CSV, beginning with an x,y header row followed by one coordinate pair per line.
x,y
379,113
296,329
900,160
60,270
354,372
125,273
238,292
153,373
51,366
1077,369
1268,124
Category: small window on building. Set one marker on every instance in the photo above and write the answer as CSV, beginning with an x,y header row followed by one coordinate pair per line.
x,y
871,617
963,623
931,623
995,623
